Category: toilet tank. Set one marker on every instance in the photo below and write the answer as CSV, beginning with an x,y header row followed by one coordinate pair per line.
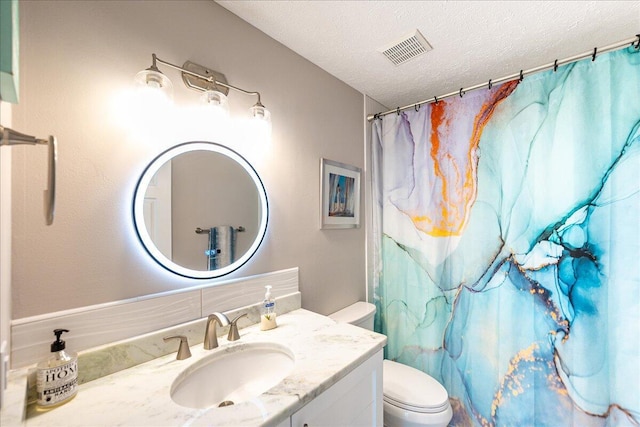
x,y
359,314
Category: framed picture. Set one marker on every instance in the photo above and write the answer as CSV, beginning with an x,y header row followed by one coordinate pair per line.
x,y
339,195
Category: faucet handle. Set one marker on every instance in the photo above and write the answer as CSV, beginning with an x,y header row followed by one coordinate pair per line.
x,y
234,335
183,349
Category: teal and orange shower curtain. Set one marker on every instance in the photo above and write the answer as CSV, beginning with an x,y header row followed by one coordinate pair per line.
x,y
507,228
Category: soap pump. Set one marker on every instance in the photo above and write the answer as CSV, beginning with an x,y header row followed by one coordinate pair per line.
x,y
57,377
268,315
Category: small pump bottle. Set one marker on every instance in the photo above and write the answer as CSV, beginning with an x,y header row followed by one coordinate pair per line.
x,y
268,316
57,377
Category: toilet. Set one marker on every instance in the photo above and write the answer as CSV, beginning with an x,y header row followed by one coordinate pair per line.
x,y
411,397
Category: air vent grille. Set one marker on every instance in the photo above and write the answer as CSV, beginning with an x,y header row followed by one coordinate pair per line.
x,y
408,47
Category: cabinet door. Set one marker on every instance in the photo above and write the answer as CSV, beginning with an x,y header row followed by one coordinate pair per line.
x,y
354,401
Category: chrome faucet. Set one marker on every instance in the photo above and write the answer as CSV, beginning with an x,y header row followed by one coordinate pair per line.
x,y
210,333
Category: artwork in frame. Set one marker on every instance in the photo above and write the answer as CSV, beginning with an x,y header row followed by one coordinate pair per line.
x,y
339,195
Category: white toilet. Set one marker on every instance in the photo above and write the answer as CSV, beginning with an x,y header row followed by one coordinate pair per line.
x,y
411,397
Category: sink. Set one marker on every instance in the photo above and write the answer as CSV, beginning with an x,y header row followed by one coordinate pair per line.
x,y
232,375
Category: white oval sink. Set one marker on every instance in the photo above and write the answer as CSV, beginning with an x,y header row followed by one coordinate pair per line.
x,y
232,375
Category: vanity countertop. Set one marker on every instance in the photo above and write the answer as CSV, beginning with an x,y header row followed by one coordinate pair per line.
x,y
324,352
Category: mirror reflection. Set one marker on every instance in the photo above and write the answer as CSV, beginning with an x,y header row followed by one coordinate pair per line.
x,y
200,210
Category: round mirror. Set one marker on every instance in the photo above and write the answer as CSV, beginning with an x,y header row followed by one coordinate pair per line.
x,y
200,210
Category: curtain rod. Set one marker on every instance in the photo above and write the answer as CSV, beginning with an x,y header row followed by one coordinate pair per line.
x,y
520,75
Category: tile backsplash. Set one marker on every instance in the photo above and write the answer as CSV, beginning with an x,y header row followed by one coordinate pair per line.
x,y
102,324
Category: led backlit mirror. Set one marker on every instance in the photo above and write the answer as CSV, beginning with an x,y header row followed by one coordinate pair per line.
x,y
200,210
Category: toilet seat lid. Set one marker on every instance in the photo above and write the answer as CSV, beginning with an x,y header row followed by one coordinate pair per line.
x,y
411,389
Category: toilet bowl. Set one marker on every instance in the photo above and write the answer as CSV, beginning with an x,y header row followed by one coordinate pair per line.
x,y
411,397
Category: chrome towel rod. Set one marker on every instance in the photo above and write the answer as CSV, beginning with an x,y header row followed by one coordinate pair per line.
x,y
208,230
11,137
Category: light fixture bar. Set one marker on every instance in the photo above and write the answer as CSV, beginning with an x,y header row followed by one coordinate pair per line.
x,y
212,84
212,80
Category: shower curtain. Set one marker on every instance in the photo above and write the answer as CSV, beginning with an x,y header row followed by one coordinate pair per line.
x,y
507,229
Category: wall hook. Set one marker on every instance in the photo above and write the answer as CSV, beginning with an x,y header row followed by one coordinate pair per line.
x,y
595,51
555,66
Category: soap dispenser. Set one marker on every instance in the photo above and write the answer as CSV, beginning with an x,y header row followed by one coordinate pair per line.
x,y
57,377
268,315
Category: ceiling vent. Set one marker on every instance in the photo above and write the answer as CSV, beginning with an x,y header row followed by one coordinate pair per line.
x,y
408,47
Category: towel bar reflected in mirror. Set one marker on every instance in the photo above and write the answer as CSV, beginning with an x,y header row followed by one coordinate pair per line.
x,y
208,230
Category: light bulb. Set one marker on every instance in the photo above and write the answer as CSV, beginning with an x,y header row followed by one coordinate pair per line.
x,y
216,104
149,106
154,79
256,130
259,112
260,122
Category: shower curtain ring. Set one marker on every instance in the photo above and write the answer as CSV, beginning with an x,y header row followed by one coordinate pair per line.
x,y
555,66
638,42
417,107
398,110
461,92
435,99
593,57
489,84
521,76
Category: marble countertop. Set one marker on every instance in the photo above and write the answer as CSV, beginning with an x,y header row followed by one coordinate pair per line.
x,y
324,353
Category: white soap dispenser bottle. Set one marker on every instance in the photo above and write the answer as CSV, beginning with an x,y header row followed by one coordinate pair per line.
x,y
57,377
268,315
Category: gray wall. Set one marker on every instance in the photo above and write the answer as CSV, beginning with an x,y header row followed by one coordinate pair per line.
x,y
75,58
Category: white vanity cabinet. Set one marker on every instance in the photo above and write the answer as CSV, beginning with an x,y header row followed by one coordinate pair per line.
x,y
354,401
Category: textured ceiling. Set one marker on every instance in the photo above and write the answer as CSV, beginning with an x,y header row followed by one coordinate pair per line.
x,y
473,41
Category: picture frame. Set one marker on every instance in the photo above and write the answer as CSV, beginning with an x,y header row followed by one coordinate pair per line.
x,y
339,195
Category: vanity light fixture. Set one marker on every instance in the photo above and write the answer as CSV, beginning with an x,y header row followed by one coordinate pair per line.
x,y
212,83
